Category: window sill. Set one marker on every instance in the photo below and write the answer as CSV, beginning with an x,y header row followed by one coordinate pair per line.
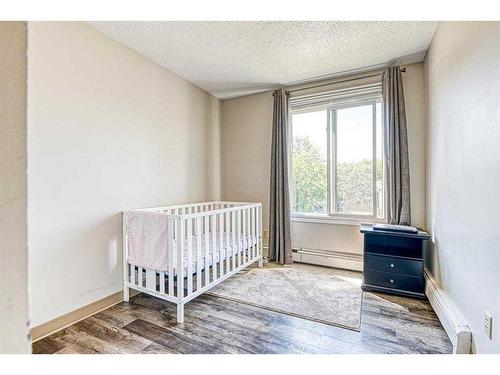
x,y
336,220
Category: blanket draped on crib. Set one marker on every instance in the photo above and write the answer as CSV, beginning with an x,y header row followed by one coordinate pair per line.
x,y
147,237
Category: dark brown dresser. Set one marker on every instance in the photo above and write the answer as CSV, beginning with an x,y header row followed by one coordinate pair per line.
x,y
394,261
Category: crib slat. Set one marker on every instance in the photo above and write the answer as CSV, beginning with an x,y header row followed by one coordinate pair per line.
x,y
249,236
198,253
228,254
234,250
253,233
250,242
249,239
214,247
250,231
249,228
238,235
180,255
171,249
256,231
207,248
244,234
259,231
221,244
189,266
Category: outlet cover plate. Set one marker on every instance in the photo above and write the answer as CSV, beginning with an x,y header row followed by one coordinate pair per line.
x,y
488,320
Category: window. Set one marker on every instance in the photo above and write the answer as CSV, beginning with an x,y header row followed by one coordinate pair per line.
x,y
337,165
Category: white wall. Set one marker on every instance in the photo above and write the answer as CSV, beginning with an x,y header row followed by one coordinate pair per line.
x,y
14,335
108,130
246,158
463,174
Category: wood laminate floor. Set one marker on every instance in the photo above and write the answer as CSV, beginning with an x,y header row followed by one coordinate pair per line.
x,y
389,324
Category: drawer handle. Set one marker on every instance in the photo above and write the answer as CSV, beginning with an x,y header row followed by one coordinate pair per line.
x,y
392,281
392,265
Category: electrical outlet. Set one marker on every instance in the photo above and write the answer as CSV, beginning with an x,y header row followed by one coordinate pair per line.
x,y
488,320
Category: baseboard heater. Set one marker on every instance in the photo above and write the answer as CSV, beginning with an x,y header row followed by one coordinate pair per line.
x,y
450,317
328,258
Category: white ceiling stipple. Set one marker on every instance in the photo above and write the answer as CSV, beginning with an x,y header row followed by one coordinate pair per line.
x,y
230,59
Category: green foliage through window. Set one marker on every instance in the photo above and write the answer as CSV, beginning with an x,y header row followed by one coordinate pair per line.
x,y
309,177
354,181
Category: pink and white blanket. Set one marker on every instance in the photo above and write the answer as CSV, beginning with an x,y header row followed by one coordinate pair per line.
x,y
147,238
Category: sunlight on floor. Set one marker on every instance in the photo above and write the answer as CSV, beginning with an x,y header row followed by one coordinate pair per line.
x,y
353,280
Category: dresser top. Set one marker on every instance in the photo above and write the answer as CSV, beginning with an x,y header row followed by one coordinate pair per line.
x,y
368,228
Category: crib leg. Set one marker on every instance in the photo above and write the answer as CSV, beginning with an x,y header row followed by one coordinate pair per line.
x,y
126,293
180,313
261,262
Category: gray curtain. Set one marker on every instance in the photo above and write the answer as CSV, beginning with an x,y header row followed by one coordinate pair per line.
x,y
280,246
397,187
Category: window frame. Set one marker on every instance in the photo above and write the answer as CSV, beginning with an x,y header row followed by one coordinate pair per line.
x,y
332,217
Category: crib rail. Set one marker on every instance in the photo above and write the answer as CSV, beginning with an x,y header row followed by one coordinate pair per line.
x,y
208,242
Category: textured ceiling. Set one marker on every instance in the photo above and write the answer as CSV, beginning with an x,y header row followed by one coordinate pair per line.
x,y
230,59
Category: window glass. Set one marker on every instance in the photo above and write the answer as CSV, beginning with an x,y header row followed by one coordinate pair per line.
x,y
309,163
354,160
335,170
379,163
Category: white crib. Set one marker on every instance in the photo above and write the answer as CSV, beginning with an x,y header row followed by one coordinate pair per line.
x,y
219,239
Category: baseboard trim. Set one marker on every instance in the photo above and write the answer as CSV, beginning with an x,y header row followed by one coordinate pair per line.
x,y
329,258
63,321
449,316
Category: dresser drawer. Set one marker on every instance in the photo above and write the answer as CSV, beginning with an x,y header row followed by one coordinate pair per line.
x,y
393,265
394,280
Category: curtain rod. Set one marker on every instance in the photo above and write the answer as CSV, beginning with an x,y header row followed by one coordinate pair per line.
x,y
347,79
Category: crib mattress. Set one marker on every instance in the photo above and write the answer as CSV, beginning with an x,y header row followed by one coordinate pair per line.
x,y
228,250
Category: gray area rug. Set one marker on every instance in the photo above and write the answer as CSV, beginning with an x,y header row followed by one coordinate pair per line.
x,y
321,294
